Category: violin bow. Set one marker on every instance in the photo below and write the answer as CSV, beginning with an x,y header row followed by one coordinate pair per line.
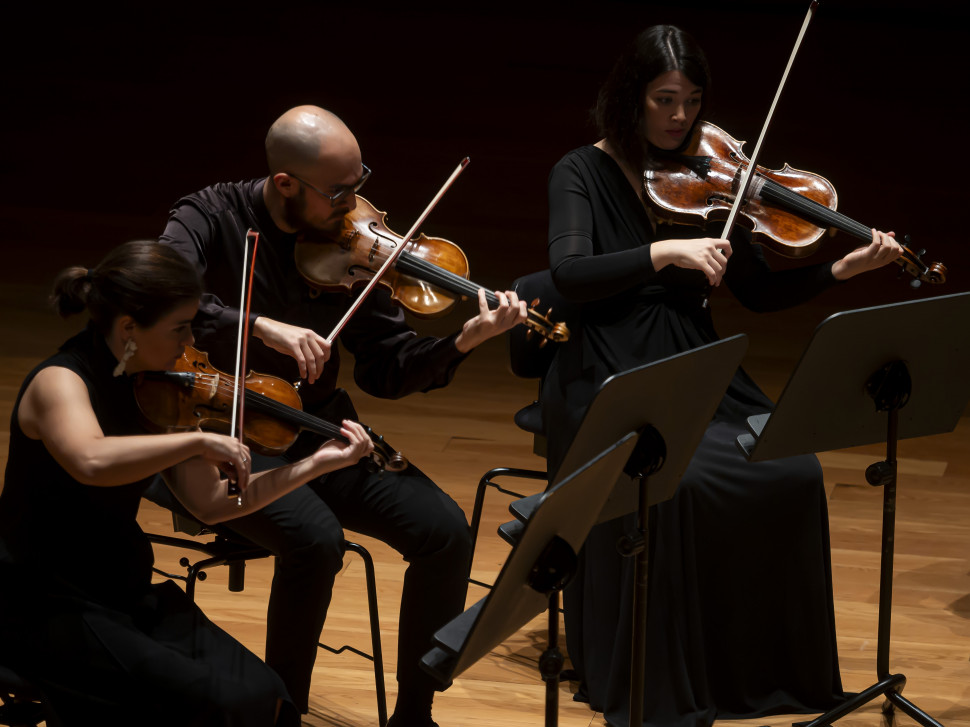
x,y
747,176
242,347
396,253
752,165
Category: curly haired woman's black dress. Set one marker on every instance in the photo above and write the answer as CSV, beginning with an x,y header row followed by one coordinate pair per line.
x,y
741,620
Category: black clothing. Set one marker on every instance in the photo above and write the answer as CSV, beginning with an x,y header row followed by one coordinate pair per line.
x,y
405,510
741,619
390,359
79,615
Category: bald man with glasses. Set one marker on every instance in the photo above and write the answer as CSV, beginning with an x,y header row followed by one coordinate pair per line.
x,y
315,172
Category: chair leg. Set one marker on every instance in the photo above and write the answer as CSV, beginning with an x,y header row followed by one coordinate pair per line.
x,y
377,655
484,483
21,713
236,559
220,551
236,563
22,704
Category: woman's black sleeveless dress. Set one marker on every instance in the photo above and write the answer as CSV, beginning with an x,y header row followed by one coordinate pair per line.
x,y
79,616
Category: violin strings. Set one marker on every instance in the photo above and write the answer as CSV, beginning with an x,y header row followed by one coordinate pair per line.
x,y
814,211
412,264
774,192
269,405
433,274
803,206
448,280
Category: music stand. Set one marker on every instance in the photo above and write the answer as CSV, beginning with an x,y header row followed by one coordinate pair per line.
x,y
871,375
537,569
649,401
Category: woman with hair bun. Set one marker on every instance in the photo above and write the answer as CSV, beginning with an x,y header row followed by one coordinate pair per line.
x,y
79,616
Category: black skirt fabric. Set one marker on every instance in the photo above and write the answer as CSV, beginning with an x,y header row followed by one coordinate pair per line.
x,y
740,612
160,663
79,616
740,620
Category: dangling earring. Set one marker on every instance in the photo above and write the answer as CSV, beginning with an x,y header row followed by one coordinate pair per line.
x,y
130,348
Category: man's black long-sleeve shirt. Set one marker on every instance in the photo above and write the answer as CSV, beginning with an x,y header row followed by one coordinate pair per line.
x,y
209,228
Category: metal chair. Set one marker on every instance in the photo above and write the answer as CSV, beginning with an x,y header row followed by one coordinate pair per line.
x,y
235,552
529,358
21,703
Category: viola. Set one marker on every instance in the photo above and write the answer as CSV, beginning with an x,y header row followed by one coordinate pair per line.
x,y
428,278
786,209
196,395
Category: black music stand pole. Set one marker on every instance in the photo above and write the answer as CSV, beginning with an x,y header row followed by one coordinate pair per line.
x,y
890,388
538,568
638,546
632,447
870,375
650,400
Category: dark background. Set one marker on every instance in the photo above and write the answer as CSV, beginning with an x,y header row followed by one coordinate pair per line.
x,y
111,116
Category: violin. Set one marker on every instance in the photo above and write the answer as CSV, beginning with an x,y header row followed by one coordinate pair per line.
x,y
196,395
428,279
786,209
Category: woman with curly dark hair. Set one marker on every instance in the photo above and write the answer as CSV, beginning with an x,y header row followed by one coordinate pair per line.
x,y
741,619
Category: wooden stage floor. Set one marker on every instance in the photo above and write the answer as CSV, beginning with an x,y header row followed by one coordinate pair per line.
x,y
458,433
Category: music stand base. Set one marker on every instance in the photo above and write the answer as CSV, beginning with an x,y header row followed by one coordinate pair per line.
x,y
890,687
891,389
819,411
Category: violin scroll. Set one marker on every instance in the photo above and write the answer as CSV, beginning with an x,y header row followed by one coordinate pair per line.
x,y
543,325
912,263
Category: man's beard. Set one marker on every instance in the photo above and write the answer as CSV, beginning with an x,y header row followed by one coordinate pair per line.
x,y
294,211
294,215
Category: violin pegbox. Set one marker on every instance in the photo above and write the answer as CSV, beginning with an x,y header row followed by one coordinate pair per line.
x,y
543,325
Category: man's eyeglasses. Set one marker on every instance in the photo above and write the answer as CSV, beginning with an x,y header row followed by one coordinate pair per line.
x,y
343,190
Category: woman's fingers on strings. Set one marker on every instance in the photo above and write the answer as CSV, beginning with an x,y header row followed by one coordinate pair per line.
x,y
884,245
515,302
516,310
357,436
509,310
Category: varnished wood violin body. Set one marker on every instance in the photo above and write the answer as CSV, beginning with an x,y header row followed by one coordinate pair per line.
x,y
428,278
196,395
788,210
